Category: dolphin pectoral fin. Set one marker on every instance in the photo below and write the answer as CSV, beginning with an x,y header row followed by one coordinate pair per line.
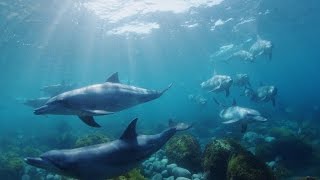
x,y
244,127
89,121
97,112
114,78
130,133
166,89
230,121
183,126
260,118
214,89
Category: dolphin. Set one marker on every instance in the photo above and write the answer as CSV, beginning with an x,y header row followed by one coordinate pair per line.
x,y
53,90
35,103
242,115
263,94
98,100
242,80
261,47
242,55
107,160
218,83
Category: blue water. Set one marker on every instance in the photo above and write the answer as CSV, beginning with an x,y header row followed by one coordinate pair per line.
x,y
84,41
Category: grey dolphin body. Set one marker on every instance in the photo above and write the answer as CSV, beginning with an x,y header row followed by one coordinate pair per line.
x,y
106,160
242,115
53,90
242,55
98,99
263,94
261,47
242,80
218,83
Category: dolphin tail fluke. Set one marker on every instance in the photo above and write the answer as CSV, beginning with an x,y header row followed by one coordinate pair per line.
x,y
166,89
182,126
89,120
260,119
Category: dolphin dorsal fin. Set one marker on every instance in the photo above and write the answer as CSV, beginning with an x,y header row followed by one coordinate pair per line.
x,y
130,133
234,102
114,78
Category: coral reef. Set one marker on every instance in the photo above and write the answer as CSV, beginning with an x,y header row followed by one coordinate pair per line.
x,y
185,151
245,166
131,175
226,159
292,150
11,166
279,132
215,159
157,168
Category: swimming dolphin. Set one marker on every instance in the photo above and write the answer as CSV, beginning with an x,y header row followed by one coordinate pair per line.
x,y
237,114
242,80
35,103
261,47
53,90
241,55
263,94
106,160
218,83
98,100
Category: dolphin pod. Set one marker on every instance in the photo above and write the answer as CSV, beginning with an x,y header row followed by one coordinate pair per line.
x,y
106,160
98,99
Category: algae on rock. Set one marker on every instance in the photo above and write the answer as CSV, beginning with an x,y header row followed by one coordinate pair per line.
x,y
185,151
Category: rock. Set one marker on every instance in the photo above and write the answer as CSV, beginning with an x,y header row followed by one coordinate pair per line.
x,y
170,167
169,178
157,177
226,159
181,172
57,177
198,176
195,176
252,138
185,151
50,177
182,178
216,155
269,139
244,165
147,172
160,154
164,161
158,166
25,177
152,159
165,173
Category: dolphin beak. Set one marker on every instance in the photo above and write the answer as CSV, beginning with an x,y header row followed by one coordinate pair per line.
x,y
37,162
40,162
41,110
